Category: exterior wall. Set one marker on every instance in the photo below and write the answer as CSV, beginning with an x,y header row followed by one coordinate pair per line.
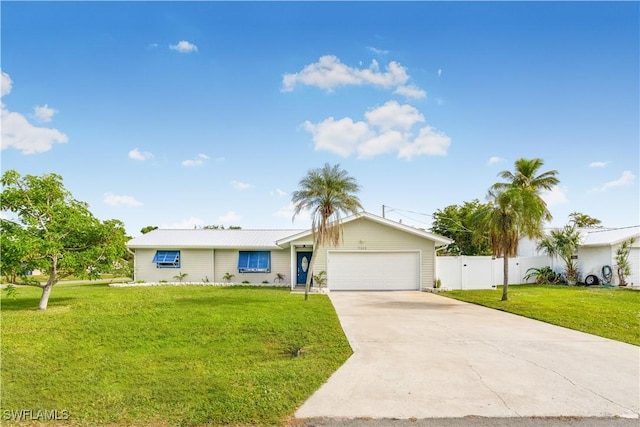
x,y
227,262
634,260
592,259
199,266
363,234
197,263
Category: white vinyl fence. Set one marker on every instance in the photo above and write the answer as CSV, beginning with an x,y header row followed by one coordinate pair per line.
x,y
484,272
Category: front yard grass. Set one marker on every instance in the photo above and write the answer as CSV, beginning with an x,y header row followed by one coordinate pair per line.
x,y
167,355
607,312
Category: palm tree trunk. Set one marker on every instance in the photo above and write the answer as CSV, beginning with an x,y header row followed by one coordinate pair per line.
x,y
505,280
307,284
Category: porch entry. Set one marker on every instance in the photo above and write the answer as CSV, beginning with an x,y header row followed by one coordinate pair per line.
x,y
303,264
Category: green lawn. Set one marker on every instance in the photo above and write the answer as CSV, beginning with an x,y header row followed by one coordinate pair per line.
x,y
167,355
606,312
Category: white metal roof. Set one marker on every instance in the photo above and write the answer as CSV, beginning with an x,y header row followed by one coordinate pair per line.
x,y
247,239
206,238
611,236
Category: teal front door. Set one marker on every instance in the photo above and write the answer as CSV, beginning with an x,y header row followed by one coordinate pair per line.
x,y
304,262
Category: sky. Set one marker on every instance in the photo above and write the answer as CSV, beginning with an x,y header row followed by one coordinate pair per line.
x,y
187,114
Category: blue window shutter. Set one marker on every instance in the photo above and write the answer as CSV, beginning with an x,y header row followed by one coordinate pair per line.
x,y
167,259
254,261
243,261
166,256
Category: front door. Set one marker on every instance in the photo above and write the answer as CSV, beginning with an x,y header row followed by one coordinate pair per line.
x,y
304,262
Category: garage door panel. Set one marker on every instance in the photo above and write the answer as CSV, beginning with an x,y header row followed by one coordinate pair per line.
x,y
364,270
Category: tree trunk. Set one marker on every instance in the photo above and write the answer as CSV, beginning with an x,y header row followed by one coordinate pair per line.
x,y
505,280
44,299
46,289
307,284
622,280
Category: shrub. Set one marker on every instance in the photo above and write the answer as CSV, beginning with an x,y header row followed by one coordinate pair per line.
x,y
543,275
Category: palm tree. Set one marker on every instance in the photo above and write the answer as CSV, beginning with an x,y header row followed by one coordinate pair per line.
x,y
581,220
563,243
327,193
516,209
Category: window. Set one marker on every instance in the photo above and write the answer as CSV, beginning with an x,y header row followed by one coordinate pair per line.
x,y
167,259
254,261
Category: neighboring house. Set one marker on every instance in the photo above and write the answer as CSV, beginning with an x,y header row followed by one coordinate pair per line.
x,y
375,254
597,249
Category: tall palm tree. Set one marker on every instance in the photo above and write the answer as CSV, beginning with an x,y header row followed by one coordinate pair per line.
x,y
517,209
327,193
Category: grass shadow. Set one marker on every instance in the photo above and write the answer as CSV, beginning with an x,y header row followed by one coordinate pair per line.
x,y
31,304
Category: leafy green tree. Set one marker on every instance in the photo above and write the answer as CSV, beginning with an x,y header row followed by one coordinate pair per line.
x,y
57,234
580,220
458,223
148,228
563,243
327,193
14,250
516,208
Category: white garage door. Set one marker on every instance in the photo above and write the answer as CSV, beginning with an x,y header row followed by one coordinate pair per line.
x,y
374,271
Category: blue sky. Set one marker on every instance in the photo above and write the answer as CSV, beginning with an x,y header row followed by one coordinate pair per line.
x,y
182,114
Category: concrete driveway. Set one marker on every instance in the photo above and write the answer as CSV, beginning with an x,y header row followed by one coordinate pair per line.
x,y
420,355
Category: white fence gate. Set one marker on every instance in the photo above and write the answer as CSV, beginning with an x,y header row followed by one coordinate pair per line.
x,y
484,272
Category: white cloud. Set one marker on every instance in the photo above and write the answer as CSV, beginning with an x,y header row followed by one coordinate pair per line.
x,y
5,83
198,161
241,185
120,200
329,73
44,113
184,46
136,154
387,142
556,196
229,218
429,141
439,72
278,192
21,135
386,129
18,133
189,163
410,91
626,178
186,223
598,164
377,51
394,116
340,137
494,159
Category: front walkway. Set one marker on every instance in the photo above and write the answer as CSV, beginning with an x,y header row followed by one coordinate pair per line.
x,y
426,356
